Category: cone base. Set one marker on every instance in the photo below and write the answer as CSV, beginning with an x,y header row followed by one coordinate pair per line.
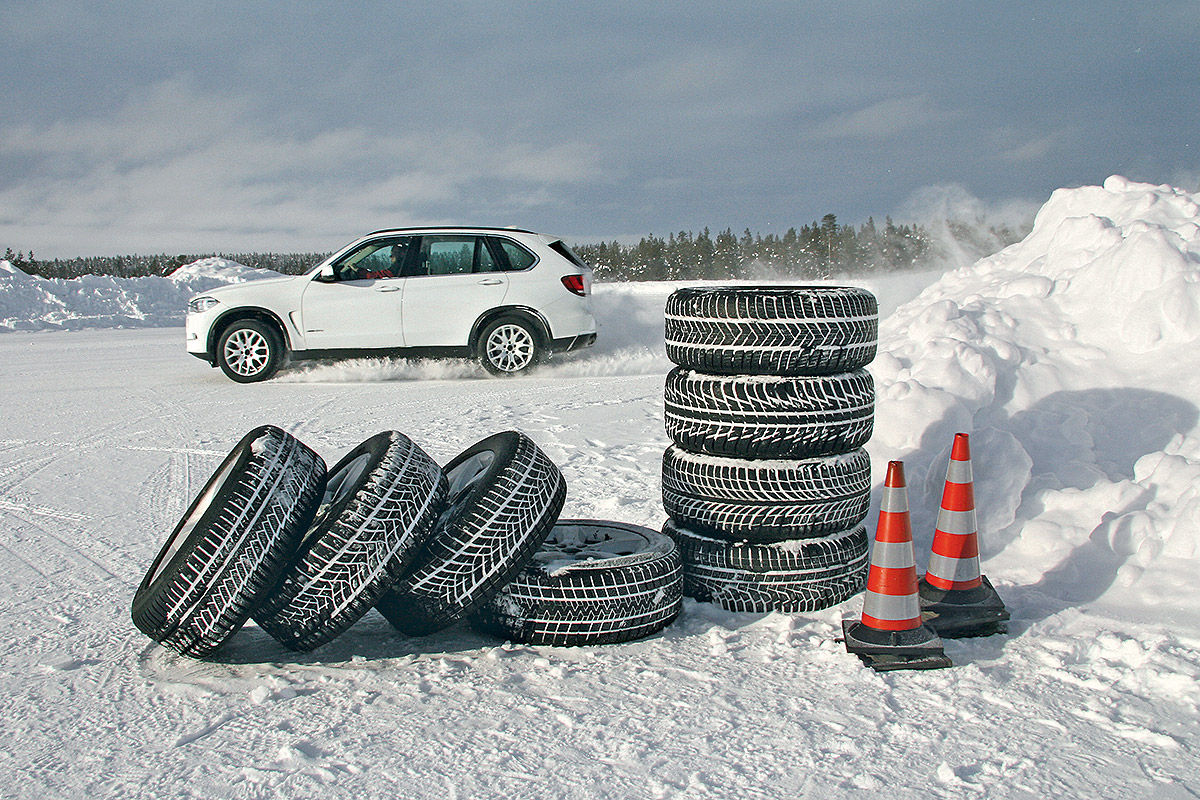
x,y
885,651
957,614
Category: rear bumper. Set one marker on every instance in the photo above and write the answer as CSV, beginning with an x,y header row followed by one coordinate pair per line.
x,y
573,342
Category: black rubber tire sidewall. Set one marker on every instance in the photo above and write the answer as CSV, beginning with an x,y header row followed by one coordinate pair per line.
x,y
262,555
797,576
424,601
772,330
595,602
766,500
769,417
360,544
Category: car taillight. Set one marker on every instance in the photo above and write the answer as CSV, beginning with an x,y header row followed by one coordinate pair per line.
x,y
575,284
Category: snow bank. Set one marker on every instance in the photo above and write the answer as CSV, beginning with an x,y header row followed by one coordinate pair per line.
x,y
1070,357
29,302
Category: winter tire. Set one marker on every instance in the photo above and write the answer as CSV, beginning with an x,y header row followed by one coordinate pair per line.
x,y
765,500
509,345
233,544
783,330
381,501
505,494
802,575
592,582
249,351
769,417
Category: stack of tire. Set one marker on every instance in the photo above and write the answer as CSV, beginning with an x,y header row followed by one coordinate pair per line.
x,y
306,551
766,484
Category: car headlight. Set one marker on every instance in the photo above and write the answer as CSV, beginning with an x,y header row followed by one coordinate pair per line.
x,y
200,304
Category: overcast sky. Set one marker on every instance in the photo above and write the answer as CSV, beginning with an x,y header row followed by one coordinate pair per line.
x,y
168,127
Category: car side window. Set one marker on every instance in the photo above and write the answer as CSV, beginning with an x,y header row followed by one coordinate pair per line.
x,y
452,254
382,258
518,257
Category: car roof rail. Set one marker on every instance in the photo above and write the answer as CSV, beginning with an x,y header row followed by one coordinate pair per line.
x,y
452,228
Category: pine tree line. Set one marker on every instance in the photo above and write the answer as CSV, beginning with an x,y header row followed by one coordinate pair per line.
x,y
820,250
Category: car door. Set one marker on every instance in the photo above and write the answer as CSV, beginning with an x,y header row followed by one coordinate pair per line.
x,y
453,279
361,307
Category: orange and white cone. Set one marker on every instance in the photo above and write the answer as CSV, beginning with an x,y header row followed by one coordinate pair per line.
x,y
891,634
956,598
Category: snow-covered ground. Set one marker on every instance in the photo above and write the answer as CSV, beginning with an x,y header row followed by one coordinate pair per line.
x,y
1071,357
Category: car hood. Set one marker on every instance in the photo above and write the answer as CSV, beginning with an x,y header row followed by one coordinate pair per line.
x,y
250,286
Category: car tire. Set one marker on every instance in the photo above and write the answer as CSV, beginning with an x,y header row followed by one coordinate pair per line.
x,y
766,500
785,330
232,545
592,582
794,576
505,494
767,416
249,350
380,504
509,345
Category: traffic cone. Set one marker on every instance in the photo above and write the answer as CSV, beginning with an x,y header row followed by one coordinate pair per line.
x,y
891,634
956,599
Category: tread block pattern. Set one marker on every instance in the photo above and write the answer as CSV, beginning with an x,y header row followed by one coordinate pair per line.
x,y
239,547
352,559
604,603
804,575
765,417
754,330
477,548
766,501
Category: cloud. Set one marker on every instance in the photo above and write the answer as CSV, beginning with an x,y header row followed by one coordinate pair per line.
x,y
883,119
174,168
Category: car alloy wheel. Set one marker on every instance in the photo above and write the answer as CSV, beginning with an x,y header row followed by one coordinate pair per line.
x,y
247,352
508,348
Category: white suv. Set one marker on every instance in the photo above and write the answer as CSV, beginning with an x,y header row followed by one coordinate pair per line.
x,y
508,296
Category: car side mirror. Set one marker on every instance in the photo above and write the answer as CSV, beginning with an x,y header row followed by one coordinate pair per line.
x,y
326,274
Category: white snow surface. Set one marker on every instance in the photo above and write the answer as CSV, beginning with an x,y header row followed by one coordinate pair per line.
x,y
1070,357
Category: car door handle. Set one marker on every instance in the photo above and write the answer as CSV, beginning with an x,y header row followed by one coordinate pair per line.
x,y
490,282
387,288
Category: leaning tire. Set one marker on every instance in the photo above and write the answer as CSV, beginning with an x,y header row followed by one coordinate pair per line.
x,y
505,495
784,330
381,501
592,582
233,544
804,575
766,500
769,417
249,351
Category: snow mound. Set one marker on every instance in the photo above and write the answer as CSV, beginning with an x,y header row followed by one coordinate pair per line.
x,y
220,269
29,302
1064,355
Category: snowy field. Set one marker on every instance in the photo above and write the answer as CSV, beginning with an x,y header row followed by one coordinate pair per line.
x,y
1070,357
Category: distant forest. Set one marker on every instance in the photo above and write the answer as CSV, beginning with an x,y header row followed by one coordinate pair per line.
x,y
820,250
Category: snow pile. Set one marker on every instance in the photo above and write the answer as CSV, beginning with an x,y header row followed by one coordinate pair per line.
x,y
29,302
1070,357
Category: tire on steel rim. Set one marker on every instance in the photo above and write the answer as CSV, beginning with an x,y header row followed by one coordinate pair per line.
x,y
772,330
766,500
802,575
592,582
381,501
769,417
505,495
509,345
233,544
249,350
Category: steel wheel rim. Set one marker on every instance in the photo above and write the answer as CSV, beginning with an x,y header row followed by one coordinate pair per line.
x,y
510,348
247,352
